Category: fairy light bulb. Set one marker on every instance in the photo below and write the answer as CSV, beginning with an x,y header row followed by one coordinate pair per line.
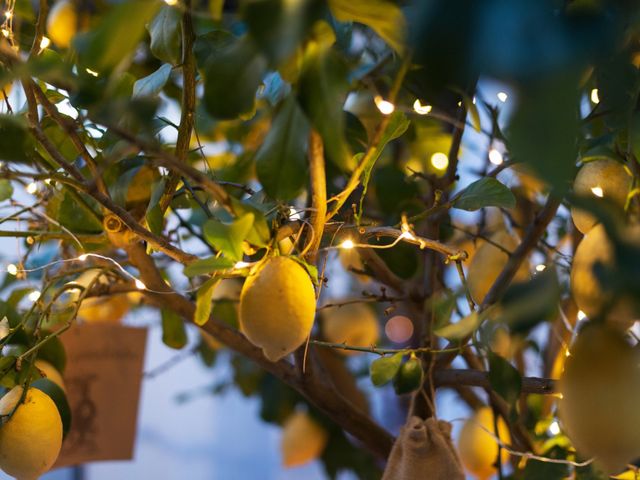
x,y
597,191
44,43
385,107
421,109
34,295
581,315
502,96
495,157
554,428
439,161
241,264
32,188
140,285
595,97
12,269
347,244
540,268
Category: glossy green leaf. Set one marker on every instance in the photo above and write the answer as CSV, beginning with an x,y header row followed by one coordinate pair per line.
x,y
59,397
228,238
153,83
15,143
409,377
383,369
204,298
164,31
486,192
154,214
6,190
505,380
281,162
174,333
205,266
460,329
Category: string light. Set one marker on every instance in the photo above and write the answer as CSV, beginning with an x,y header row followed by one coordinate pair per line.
x,y
44,43
385,107
240,265
597,191
34,295
502,96
595,97
140,285
440,161
6,32
421,109
171,3
12,269
581,315
554,428
347,244
540,268
93,73
495,157
32,188
8,14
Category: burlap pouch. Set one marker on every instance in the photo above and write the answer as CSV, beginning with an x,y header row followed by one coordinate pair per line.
x,y
424,450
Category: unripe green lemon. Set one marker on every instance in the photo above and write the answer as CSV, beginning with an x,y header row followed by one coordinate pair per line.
x,y
488,261
354,324
31,440
478,449
303,440
277,307
606,179
600,389
62,23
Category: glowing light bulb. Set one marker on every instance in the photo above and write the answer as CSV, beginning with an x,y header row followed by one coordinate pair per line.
x,y
408,235
32,188
495,157
83,257
581,315
140,285
421,109
171,2
347,244
241,265
44,43
595,97
8,14
554,428
93,73
502,96
540,268
34,296
12,269
6,32
597,191
385,107
440,161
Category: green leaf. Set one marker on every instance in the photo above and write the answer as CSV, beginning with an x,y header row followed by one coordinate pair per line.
x,y
409,377
281,162
505,380
53,352
204,301
322,90
232,76
460,329
116,36
228,238
154,214
74,216
486,192
152,84
259,235
312,270
210,44
205,266
383,17
6,190
383,369
59,397
164,31
174,333
15,143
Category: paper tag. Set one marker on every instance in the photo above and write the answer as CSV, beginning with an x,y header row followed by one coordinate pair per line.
x,y
103,379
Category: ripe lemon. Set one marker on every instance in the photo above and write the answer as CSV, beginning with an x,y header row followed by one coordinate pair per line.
x,y
277,307
590,296
50,372
107,309
478,449
488,262
31,439
141,184
606,179
62,23
354,324
303,440
600,390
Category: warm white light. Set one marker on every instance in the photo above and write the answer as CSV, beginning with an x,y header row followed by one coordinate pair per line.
x,y
473,100
140,285
93,73
408,235
34,296
540,268
581,315
421,109
440,161
595,98
47,181
8,14
44,43
32,188
495,157
239,265
502,96
385,107
6,32
554,428
597,191
347,244
83,257
171,2
12,269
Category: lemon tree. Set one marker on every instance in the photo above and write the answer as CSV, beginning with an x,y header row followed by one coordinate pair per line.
x,y
351,206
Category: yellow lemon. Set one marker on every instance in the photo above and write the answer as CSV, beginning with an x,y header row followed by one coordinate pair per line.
x,y
141,184
31,439
354,324
606,179
62,23
50,372
600,390
303,440
479,449
488,262
107,309
277,307
588,293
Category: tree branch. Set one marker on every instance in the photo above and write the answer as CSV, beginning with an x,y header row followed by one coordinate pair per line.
x,y
318,181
